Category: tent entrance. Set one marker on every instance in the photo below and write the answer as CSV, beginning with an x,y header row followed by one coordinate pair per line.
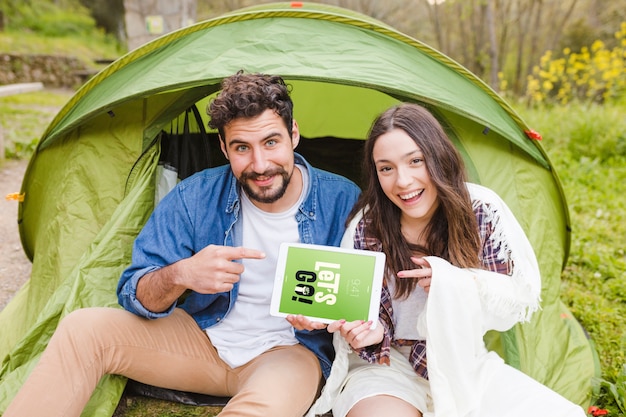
x,y
187,148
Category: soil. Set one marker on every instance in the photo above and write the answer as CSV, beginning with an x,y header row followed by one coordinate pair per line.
x,y
15,267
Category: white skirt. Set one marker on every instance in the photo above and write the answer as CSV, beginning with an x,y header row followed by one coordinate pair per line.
x,y
398,380
509,393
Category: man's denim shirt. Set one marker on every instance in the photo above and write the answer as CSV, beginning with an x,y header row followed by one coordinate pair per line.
x,y
204,210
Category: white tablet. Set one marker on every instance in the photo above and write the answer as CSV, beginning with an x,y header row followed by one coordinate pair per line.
x,y
325,283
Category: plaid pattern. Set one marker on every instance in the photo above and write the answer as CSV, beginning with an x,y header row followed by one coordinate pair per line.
x,y
491,260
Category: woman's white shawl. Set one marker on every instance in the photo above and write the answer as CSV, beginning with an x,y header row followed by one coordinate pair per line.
x,y
462,305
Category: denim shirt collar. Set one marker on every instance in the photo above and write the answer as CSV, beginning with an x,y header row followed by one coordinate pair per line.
x,y
233,194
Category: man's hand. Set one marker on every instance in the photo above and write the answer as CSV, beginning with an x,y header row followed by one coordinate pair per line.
x,y
358,333
209,271
212,270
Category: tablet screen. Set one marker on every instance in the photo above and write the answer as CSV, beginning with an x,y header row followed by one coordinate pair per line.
x,y
325,283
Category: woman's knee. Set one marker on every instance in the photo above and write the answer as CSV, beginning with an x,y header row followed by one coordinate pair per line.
x,y
383,405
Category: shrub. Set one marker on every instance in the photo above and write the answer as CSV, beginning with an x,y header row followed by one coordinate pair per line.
x,y
48,19
595,74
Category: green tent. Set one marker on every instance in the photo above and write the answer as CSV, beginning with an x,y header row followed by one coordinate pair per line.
x,y
90,185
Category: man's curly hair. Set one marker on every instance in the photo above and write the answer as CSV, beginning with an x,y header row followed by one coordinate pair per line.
x,y
249,95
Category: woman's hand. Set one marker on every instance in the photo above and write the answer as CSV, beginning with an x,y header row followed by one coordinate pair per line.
x,y
299,322
358,333
423,273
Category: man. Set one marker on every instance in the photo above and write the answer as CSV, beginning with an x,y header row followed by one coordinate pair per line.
x,y
202,273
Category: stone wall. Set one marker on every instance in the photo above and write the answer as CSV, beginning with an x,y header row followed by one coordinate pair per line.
x,y
53,71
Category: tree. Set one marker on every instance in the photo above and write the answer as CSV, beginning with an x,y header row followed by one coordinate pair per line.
x,y
488,37
492,36
493,45
109,15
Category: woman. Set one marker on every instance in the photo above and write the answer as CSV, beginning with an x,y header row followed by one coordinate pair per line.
x,y
458,264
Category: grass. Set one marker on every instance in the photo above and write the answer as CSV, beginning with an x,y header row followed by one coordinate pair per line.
x,y
94,46
587,146
131,406
24,117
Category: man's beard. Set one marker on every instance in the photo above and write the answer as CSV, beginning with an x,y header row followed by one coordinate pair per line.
x,y
265,195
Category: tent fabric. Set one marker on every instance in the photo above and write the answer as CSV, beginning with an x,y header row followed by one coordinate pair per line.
x,y
90,185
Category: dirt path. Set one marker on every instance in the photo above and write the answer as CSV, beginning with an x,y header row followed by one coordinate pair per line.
x,y
14,265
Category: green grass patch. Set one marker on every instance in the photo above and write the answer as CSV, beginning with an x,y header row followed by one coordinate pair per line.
x,y
86,48
587,146
24,118
132,406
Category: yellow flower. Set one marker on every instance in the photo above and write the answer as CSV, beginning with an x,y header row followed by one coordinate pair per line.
x,y
547,86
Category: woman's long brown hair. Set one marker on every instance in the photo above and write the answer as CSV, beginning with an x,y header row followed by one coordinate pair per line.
x,y
452,233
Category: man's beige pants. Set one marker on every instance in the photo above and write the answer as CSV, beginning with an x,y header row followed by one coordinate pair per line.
x,y
171,352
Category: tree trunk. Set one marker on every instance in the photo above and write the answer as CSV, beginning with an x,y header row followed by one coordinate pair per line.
x,y
433,13
556,36
464,34
534,53
522,29
503,13
493,46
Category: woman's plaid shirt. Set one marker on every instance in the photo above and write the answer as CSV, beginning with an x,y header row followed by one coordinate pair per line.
x,y
490,258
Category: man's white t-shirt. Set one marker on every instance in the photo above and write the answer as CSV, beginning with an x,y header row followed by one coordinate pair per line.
x,y
249,329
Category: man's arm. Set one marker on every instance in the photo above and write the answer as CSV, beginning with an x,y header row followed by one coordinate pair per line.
x,y
210,271
158,290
